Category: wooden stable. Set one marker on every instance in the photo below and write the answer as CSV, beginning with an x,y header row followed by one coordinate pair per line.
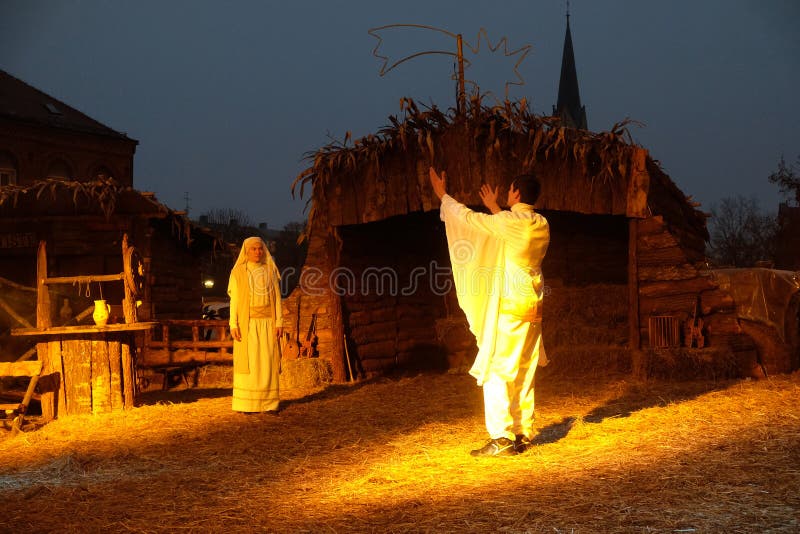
x,y
88,368
626,246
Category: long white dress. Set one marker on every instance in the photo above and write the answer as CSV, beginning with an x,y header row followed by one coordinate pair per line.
x,y
256,383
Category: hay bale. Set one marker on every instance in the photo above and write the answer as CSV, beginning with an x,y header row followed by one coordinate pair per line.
x,y
305,373
709,363
582,359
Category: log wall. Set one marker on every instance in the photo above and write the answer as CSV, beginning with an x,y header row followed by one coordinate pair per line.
x,y
398,278
176,289
670,284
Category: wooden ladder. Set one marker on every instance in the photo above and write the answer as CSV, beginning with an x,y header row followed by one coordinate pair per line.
x,y
16,412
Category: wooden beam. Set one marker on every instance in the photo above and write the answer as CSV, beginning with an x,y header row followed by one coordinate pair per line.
x,y
31,368
42,295
17,317
84,278
634,332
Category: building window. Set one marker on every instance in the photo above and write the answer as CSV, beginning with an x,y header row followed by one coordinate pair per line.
x,y
8,177
8,169
102,173
59,170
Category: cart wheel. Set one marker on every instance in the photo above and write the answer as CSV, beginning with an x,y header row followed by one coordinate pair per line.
x,y
134,272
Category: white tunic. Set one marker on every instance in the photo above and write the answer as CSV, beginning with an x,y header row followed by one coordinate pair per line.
x,y
496,261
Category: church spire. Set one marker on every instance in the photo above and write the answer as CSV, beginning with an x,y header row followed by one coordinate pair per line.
x,y
569,106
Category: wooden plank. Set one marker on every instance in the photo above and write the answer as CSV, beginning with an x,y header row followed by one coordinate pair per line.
x,y
14,315
681,304
205,323
52,380
160,358
657,240
672,255
651,225
190,344
76,357
29,368
667,272
60,331
100,377
115,375
128,376
673,287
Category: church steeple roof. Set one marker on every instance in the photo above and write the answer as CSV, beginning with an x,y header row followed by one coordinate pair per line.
x,y
569,107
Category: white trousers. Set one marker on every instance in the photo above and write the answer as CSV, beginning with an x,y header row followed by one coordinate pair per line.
x,y
509,404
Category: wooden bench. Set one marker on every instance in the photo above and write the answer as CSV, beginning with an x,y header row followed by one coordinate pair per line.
x,y
16,412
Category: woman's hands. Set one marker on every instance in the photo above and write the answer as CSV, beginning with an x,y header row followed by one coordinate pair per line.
x,y
236,334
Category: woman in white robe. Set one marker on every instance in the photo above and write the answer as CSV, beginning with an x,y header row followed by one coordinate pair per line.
x,y
256,325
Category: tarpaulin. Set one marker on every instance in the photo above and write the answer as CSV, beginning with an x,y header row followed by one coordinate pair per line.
x,y
761,295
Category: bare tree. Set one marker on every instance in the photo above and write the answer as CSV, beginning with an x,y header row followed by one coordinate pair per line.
x,y
290,255
741,234
226,217
788,179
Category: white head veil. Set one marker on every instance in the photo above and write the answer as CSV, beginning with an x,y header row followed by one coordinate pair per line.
x,y
266,259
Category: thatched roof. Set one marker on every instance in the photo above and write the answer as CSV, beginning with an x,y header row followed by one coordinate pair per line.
x,y
104,198
385,174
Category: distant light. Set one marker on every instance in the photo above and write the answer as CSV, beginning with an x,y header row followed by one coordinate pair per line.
x,y
208,283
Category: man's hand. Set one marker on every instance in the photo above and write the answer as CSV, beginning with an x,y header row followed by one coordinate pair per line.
x,y
279,331
236,334
438,183
489,198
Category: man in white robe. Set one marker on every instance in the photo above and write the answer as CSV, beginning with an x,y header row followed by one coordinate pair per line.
x,y
496,261
256,326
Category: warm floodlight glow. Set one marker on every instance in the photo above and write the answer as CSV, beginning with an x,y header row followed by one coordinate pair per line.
x,y
208,283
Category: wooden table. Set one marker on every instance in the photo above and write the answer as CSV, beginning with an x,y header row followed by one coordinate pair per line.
x,y
86,369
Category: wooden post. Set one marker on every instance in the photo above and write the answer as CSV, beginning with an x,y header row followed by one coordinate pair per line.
x,y
129,302
462,93
634,335
338,353
52,385
128,374
43,311
334,249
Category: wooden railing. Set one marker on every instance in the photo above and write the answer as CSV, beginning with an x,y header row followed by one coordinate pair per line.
x,y
187,343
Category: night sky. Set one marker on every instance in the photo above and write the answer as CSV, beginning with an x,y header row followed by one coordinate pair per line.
x,y
227,98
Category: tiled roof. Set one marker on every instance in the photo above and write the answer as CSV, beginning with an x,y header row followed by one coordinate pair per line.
x,y
22,102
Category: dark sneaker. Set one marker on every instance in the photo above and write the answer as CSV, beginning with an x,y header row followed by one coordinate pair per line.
x,y
521,443
496,447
